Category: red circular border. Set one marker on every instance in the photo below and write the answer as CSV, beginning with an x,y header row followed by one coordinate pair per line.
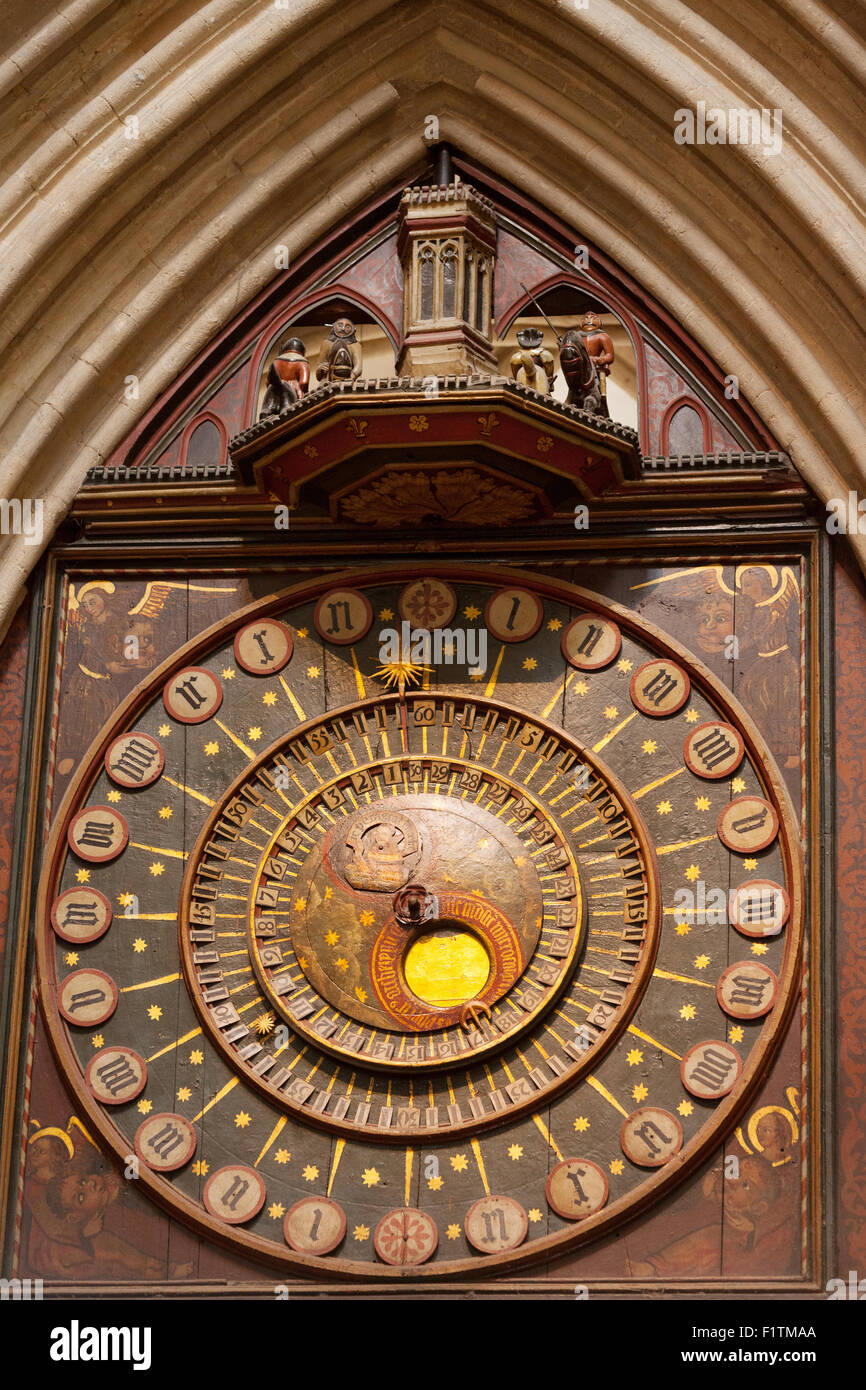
x,y
92,1022
601,665
659,713
192,718
168,1167
82,854
131,1095
273,670
515,589
711,1042
713,724
655,1162
135,786
396,1264
322,1202
417,580
767,883
752,849
496,1197
738,965
343,641
80,940
569,1215
221,1216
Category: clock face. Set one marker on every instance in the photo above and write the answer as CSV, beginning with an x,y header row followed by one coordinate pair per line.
x,y
379,954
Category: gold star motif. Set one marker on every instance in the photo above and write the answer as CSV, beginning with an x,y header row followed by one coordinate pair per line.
x,y
139,945
282,1156
611,712
702,803
624,664
164,730
254,734
685,1108
367,919
534,1214
329,893
269,697
581,1124
196,1058
476,675
701,962
639,1092
154,1012
341,963
363,1232
360,994
735,1034
471,612
331,938
276,1210
228,673
459,1162
634,1057
242,1119
453,1232
530,663
687,1011
71,958
434,1184
200,1168
738,785
302,632
125,899
165,813
759,948
211,749
386,615
750,863
370,1177
98,1040
554,625
682,928
691,716
313,672
616,1166
664,808
692,872
145,1107
580,687
184,1093
156,868
82,876
515,1152
649,745
114,795
300,904
264,1024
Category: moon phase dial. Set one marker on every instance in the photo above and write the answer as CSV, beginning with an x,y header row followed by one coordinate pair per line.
x,y
413,969
494,952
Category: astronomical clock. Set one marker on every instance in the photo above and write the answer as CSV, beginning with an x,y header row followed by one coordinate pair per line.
x,y
425,766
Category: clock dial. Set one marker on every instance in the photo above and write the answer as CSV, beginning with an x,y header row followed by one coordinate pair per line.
x,y
430,967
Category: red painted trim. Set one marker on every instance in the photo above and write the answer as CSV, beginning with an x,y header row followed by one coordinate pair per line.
x,y
670,412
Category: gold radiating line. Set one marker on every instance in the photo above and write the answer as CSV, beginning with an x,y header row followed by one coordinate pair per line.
x,y
147,984
229,1086
169,916
238,742
277,1129
292,700
658,783
549,708
476,1149
407,1186
684,844
359,683
155,849
603,742
547,1135
335,1163
603,1091
654,1043
190,791
684,979
491,684
179,1043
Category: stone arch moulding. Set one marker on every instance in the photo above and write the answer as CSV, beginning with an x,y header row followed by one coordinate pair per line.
x,y
670,411
280,323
